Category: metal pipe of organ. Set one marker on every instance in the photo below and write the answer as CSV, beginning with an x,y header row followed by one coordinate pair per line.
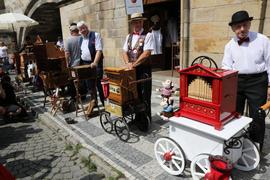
x,y
200,89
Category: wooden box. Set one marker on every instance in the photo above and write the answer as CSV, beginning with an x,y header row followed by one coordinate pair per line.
x,y
122,82
208,95
83,72
114,108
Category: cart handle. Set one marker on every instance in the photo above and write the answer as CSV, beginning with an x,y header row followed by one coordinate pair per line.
x,y
140,81
266,106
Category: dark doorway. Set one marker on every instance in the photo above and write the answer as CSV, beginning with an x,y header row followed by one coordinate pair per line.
x,y
49,27
169,20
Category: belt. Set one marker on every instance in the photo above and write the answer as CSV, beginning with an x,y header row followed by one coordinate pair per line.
x,y
252,75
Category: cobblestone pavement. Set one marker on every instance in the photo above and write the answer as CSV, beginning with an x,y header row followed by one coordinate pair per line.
x,y
136,158
30,150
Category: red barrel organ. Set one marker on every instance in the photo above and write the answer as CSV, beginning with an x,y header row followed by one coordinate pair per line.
x,y
208,95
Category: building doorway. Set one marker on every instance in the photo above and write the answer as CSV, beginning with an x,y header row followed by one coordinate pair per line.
x,y
49,27
167,13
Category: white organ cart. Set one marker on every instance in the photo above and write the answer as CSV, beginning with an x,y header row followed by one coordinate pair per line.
x,y
195,141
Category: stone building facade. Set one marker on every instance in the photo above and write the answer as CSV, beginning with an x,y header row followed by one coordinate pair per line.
x,y
204,26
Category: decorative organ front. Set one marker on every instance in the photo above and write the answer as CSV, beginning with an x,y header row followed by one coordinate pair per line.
x,y
208,95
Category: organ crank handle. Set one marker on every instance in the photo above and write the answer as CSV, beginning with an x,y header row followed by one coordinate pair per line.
x,y
266,106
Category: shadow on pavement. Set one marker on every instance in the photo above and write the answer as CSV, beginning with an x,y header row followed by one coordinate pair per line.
x,y
11,135
24,168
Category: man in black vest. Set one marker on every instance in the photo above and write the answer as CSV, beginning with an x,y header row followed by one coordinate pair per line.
x,y
249,53
137,49
91,53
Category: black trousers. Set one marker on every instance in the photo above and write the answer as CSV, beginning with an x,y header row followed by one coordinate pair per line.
x,y
253,88
145,88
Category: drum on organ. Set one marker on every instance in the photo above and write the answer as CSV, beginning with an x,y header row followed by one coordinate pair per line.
x,y
208,95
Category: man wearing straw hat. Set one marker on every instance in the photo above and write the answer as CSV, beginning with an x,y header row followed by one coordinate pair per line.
x,y
249,54
137,49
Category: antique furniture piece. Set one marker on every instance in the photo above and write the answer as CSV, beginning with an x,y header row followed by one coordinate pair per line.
x,y
49,57
51,67
79,73
123,103
121,91
208,95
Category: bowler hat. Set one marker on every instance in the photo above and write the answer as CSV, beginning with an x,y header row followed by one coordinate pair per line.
x,y
136,17
240,16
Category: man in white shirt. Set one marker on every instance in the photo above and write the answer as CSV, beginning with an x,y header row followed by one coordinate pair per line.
x,y
4,57
249,54
137,49
91,53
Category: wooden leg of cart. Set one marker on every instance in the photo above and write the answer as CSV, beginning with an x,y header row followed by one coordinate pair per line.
x,y
78,99
94,101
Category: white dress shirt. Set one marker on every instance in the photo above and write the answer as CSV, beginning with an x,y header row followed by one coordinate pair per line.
x,y
86,55
250,57
148,42
3,51
157,40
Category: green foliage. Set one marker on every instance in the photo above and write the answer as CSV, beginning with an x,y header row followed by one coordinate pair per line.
x,y
68,147
88,164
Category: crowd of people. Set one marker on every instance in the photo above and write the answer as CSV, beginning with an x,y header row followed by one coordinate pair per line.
x,y
247,52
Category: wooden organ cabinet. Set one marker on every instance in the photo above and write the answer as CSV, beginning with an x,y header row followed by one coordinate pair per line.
x,y
208,95
51,63
121,89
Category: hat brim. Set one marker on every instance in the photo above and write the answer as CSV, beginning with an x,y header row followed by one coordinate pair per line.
x,y
242,20
137,19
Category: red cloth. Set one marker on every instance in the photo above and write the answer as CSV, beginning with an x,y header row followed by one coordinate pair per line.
x,y
136,33
240,41
5,174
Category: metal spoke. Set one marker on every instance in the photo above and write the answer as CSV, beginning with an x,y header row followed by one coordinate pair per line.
x,y
199,174
244,161
201,167
162,147
161,153
247,149
170,163
167,145
178,158
175,163
250,157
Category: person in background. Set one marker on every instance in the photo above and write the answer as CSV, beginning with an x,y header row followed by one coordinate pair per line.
x,y
73,53
72,47
249,53
137,50
91,53
38,40
4,60
8,99
60,43
27,46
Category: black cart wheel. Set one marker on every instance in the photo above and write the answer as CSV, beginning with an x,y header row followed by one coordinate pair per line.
x,y
143,121
106,123
122,129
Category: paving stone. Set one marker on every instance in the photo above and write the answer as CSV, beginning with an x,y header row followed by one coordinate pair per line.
x,y
128,152
31,159
65,169
91,129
